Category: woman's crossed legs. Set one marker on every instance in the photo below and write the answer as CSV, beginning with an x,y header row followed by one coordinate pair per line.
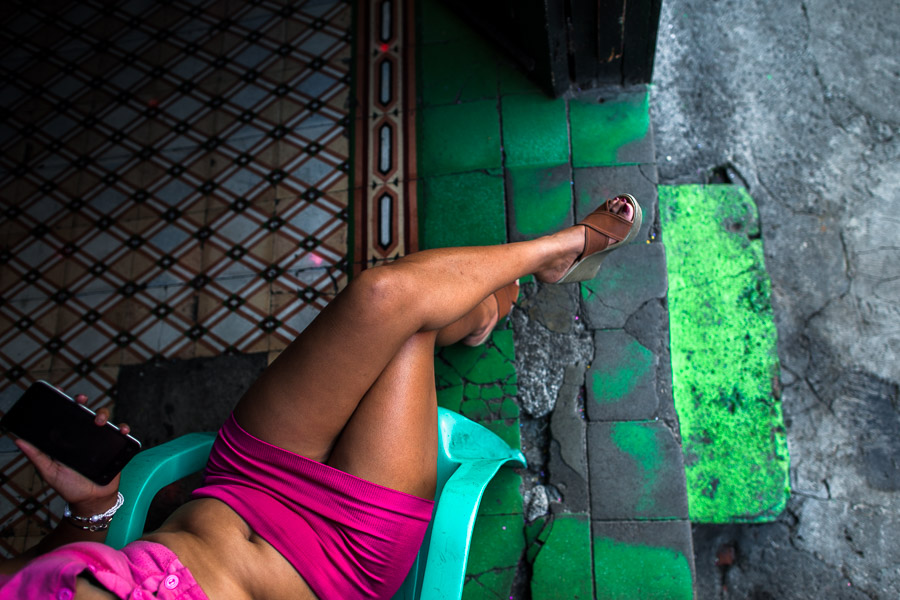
x,y
356,389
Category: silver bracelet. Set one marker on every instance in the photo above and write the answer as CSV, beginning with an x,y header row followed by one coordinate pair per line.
x,y
98,522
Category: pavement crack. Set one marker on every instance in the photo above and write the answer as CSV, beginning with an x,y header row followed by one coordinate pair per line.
x,y
818,396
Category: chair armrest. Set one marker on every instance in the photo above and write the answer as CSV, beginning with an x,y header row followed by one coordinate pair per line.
x,y
149,472
453,522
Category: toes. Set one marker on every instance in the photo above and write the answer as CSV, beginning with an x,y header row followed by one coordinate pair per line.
x,y
620,207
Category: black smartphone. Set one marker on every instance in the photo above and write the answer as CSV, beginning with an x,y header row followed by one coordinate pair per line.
x,y
65,430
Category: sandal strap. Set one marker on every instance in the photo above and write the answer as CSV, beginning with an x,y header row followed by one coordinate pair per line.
x,y
612,228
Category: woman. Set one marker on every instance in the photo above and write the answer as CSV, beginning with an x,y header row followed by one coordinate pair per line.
x,y
321,482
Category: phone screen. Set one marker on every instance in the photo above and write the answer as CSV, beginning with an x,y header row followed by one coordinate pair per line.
x,y
65,430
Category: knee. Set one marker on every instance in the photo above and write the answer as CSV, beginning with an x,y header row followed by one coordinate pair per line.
x,y
383,291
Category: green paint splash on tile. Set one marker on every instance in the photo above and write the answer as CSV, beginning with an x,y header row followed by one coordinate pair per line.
x,y
638,572
600,130
562,567
610,382
724,359
639,441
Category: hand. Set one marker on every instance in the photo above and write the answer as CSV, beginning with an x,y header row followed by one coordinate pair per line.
x,y
83,495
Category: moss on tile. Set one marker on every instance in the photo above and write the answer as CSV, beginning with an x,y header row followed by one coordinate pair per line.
x,y
724,355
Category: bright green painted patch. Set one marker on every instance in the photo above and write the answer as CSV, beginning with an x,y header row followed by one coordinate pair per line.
x,y
638,572
462,210
541,200
724,359
535,130
457,71
639,440
457,138
562,568
610,382
600,130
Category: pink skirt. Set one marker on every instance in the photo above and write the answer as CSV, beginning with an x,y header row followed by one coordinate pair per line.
x,y
347,537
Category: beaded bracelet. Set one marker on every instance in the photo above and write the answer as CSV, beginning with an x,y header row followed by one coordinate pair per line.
x,y
96,522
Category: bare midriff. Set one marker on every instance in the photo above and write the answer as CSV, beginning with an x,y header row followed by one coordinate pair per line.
x,y
225,556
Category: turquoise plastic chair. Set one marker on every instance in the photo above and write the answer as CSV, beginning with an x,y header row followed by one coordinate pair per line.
x,y
468,458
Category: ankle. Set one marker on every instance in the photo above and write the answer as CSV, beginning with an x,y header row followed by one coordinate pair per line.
x,y
567,246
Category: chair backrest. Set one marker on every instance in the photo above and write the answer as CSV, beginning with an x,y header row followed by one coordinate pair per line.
x,y
439,569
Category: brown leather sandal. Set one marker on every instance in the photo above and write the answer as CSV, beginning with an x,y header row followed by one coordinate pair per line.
x,y
603,231
505,298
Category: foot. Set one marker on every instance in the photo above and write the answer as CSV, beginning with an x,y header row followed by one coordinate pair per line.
x,y
489,312
573,239
486,316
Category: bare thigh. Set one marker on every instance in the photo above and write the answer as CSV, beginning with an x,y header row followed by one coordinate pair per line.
x,y
392,437
306,397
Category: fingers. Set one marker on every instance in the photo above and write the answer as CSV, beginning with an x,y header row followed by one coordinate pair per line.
x,y
103,415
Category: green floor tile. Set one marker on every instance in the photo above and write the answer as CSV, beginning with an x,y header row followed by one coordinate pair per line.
x,y
490,585
562,567
724,355
502,496
440,24
602,131
498,542
462,210
457,71
608,383
508,431
535,130
459,137
450,397
624,571
513,79
540,200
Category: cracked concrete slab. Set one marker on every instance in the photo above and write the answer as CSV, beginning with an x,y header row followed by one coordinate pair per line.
x,y
636,472
567,464
621,383
620,289
791,97
548,339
